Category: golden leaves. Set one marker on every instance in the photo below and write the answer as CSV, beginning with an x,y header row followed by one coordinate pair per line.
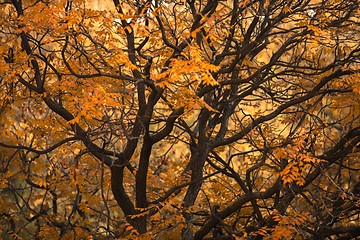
x,y
86,98
286,226
184,75
191,67
297,166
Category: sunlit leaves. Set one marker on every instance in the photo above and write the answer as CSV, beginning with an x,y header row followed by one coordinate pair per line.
x,y
188,68
298,165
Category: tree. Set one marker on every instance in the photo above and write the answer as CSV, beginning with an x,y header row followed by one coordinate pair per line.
x,y
180,119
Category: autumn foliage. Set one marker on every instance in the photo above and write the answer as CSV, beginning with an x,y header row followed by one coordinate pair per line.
x,y
180,119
